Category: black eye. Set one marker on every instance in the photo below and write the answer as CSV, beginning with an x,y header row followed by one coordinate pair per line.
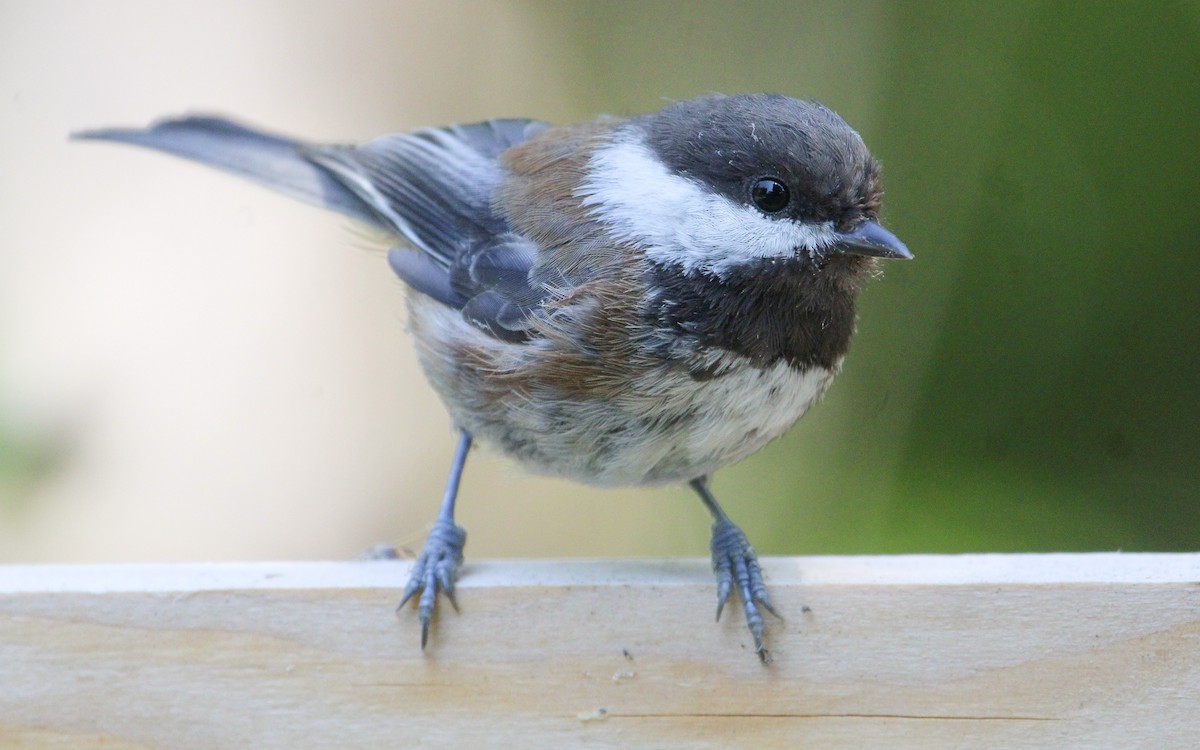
x,y
771,196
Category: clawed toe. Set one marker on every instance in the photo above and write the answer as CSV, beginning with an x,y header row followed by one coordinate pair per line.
x,y
735,563
435,570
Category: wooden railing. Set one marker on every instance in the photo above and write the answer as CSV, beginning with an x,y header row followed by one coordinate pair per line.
x,y
973,651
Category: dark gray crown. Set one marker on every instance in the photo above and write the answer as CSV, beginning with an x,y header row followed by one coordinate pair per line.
x,y
729,142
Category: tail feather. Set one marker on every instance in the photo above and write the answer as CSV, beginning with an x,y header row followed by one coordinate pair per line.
x,y
275,161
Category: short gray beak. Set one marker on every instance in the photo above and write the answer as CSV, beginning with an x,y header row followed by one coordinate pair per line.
x,y
871,239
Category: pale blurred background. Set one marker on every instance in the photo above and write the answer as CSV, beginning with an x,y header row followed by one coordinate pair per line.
x,y
192,368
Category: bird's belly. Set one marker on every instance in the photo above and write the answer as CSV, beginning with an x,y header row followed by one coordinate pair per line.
x,y
660,425
673,428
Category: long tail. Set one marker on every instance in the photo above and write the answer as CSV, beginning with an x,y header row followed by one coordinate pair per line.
x,y
275,161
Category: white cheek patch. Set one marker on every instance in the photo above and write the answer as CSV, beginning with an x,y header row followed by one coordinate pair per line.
x,y
677,221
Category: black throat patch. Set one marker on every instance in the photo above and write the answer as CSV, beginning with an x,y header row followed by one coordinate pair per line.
x,y
770,311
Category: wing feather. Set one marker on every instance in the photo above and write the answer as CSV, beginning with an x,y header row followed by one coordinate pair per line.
x,y
434,187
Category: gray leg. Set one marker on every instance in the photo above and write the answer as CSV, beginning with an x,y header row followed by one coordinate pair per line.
x,y
734,561
437,565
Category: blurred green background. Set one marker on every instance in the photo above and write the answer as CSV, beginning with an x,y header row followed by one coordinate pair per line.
x,y
1030,382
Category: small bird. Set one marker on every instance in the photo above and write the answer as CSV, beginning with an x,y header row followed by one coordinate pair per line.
x,y
622,301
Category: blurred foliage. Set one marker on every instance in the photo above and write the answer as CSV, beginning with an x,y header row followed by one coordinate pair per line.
x,y
1062,393
23,462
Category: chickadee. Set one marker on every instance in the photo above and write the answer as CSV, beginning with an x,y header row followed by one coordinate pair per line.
x,y
634,301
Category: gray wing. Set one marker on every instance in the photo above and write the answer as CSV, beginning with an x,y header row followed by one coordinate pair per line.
x,y
436,187
433,187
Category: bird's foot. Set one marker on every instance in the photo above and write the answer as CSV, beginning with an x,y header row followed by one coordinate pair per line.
x,y
734,562
435,569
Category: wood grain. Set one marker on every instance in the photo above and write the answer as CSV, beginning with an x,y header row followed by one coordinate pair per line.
x,y
1055,651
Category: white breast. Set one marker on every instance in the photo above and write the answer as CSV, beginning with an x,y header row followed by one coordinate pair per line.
x,y
727,419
